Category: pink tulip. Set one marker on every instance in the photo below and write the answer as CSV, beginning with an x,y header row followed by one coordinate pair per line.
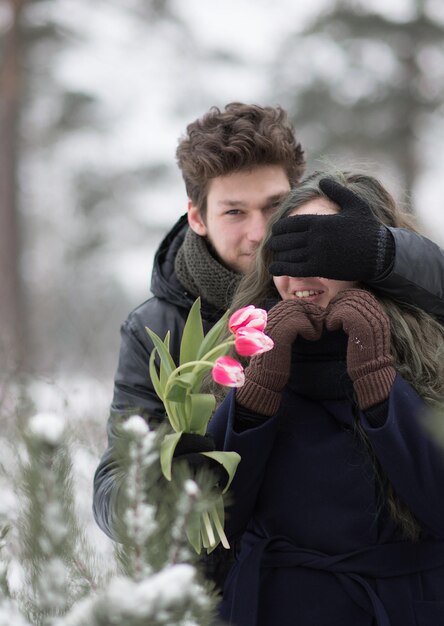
x,y
228,372
250,341
248,317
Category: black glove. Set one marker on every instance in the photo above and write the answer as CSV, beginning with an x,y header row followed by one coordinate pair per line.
x,y
349,245
189,448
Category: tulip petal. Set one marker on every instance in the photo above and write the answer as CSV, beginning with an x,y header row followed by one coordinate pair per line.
x,y
228,372
250,341
248,317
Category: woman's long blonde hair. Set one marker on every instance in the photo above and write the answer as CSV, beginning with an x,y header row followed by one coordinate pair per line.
x,y
417,338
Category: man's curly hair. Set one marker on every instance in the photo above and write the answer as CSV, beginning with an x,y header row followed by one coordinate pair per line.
x,y
240,137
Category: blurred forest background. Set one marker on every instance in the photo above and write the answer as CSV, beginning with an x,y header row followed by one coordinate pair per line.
x,y
93,98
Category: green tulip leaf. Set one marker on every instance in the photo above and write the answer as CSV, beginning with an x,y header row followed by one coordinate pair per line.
x,y
165,357
212,336
154,377
177,394
229,460
167,448
217,515
179,386
166,363
193,335
219,505
175,412
199,408
193,531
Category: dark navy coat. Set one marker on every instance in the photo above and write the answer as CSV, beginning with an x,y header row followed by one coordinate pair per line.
x,y
319,548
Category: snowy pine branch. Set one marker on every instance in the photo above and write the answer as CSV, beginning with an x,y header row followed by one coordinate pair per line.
x,y
158,584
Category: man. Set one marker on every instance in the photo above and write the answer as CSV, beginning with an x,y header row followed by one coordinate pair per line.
x,y
238,164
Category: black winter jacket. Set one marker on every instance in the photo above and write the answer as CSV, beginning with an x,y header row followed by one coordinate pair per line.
x,y
166,310
417,277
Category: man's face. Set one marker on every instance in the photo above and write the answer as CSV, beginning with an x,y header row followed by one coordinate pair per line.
x,y
238,208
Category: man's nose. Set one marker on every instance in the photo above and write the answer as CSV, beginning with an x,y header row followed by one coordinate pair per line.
x,y
257,228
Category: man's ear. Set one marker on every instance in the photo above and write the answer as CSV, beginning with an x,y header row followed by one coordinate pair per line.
x,y
195,220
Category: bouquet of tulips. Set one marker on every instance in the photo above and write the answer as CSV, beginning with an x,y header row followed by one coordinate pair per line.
x,y
189,410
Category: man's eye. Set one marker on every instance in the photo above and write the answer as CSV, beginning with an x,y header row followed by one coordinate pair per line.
x,y
233,212
279,201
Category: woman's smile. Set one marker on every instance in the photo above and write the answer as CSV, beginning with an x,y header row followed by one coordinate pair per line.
x,y
308,294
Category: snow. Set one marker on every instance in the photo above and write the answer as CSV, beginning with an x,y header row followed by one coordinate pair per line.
x,y
81,614
54,584
10,616
163,591
191,488
140,522
82,397
47,427
155,598
55,523
136,426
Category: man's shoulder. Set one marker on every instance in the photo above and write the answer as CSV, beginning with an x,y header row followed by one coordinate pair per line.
x,y
157,308
157,314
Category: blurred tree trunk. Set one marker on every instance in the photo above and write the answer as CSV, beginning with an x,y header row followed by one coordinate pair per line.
x,y
11,309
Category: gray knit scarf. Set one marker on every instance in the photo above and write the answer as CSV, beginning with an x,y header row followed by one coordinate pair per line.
x,y
202,275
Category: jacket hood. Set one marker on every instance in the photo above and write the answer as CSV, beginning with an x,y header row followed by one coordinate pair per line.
x,y
164,282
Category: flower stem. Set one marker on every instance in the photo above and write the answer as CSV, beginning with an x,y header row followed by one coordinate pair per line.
x,y
219,528
207,523
228,343
191,364
195,365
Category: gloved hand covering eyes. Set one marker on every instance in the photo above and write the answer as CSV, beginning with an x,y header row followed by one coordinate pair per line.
x,y
350,245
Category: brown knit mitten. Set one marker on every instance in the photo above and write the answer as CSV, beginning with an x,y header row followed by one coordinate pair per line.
x,y
268,373
369,362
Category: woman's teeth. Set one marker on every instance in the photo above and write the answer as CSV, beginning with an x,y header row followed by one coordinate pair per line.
x,y
306,293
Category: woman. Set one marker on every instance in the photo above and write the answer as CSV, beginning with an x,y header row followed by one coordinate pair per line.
x,y
339,493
